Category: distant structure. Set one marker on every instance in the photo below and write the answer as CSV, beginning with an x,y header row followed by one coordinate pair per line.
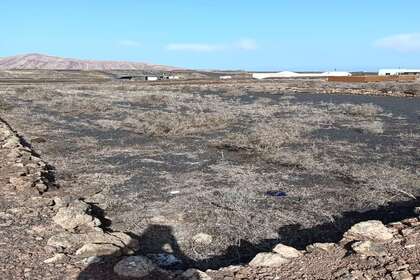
x,y
395,72
146,77
289,74
225,77
151,78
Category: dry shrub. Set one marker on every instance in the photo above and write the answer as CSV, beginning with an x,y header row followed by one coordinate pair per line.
x,y
24,90
266,138
363,110
237,209
175,124
382,181
5,106
86,87
374,127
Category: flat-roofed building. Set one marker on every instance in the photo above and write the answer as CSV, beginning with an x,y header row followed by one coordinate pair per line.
x,y
393,72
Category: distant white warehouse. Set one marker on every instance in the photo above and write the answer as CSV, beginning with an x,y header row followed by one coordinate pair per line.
x,y
393,72
288,74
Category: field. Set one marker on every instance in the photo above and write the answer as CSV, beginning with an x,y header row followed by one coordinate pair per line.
x,y
215,172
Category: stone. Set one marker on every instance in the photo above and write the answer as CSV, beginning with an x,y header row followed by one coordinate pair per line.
x,y
397,225
202,238
14,154
134,266
76,215
62,201
20,183
407,232
326,247
92,249
56,259
92,260
369,248
369,230
402,275
286,251
68,240
410,221
195,274
41,187
11,142
268,260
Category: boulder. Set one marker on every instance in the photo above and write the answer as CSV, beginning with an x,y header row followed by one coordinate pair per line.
x,y
134,266
75,216
69,240
369,248
92,250
326,247
369,230
195,274
286,251
268,260
56,259
402,275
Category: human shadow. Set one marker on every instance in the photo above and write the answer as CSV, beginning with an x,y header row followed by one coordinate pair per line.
x,y
160,240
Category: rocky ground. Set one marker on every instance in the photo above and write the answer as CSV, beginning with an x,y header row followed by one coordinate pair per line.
x,y
369,250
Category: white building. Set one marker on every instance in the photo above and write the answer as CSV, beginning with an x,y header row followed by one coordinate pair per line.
x,y
288,74
388,72
151,78
225,77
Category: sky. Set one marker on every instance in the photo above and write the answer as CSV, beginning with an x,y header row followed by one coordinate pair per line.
x,y
219,34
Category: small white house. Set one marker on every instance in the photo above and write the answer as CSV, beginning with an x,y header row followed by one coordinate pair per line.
x,y
151,78
393,72
289,74
225,77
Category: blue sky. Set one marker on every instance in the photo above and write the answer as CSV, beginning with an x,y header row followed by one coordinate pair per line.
x,y
219,34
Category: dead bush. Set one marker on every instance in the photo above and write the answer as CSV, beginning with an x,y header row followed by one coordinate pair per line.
x,y
362,110
175,124
265,138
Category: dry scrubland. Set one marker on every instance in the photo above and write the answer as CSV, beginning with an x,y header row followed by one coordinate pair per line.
x,y
173,163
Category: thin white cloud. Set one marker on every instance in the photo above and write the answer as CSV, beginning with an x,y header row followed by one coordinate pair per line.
x,y
129,43
195,47
247,44
406,42
243,44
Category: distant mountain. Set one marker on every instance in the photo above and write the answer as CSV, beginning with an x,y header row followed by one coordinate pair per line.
x,y
40,61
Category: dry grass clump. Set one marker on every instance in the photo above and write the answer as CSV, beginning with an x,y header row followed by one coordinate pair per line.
x,y
383,181
175,124
86,87
266,138
374,127
236,210
5,106
362,110
24,90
